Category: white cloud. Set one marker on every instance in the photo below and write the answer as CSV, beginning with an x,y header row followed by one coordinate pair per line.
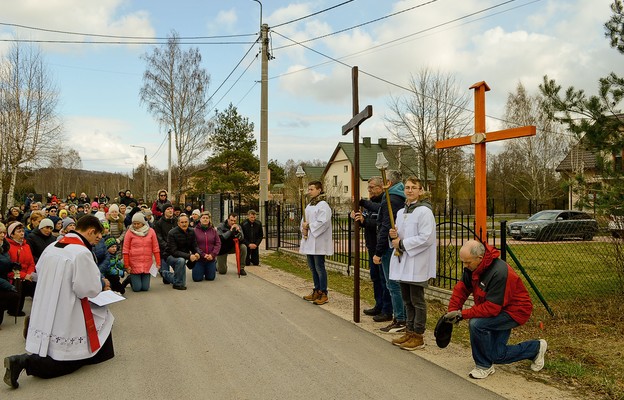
x,y
225,21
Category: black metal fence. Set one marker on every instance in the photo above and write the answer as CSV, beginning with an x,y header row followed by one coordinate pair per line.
x,y
559,273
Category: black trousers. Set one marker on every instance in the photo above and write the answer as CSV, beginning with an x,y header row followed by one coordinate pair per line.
x,y
47,367
253,256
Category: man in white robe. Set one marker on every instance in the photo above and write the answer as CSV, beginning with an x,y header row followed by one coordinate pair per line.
x,y
66,332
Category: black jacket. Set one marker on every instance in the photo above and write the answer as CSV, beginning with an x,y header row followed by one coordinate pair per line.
x,y
38,242
162,227
252,231
181,244
370,214
226,235
397,201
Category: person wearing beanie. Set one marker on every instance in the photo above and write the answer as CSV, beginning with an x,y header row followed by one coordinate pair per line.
x,y
41,237
116,222
68,226
162,199
140,252
112,266
20,253
194,218
162,227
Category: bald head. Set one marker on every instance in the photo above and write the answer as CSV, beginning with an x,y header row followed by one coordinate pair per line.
x,y
471,254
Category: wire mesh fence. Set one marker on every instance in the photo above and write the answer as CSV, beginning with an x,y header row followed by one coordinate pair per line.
x,y
566,260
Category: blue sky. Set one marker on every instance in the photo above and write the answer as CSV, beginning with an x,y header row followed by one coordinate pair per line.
x,y
519,41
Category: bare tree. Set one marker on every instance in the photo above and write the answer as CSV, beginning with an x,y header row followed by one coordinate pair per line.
x,y
28,120
434,111
175,91
533,159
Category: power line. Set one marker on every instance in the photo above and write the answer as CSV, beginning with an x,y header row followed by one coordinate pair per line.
x,y
120,37
236,81
116,42
313,14
362,24
245,95
234,69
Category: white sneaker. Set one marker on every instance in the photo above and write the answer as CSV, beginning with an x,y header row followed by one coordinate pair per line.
x,y
538,361
480,373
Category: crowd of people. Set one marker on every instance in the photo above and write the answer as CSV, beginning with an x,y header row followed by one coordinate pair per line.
x,y
101,245
126,242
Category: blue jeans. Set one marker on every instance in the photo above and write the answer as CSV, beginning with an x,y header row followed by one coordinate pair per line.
x,y
319,274
393,287
383,302
488,339
204,270
178,276
140,282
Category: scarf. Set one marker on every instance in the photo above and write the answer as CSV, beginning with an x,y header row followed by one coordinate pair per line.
x,y
142,231
315,200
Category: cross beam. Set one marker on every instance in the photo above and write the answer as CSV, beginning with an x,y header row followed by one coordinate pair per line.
x,y
479,139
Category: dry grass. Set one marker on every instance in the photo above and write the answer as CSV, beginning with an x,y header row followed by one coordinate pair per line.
x,y
585,346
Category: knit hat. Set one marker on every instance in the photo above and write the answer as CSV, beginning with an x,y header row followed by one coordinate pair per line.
x,y
111,241
139,217
46,222
165,206
113,207
95,204
67,222
105,224
196,211
12,227
100,215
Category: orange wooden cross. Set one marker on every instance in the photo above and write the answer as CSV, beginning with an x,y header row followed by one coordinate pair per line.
x,y
479,138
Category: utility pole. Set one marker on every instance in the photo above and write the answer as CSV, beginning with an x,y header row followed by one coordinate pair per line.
x,y
264,120
169,170
144,171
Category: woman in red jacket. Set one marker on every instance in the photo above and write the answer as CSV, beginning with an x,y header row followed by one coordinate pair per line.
x,y
209,245
140,252
20,253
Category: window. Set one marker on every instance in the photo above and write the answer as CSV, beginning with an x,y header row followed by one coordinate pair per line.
x,y
346,189
346,168
335,180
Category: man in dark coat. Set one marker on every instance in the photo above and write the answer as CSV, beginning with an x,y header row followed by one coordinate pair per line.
x,y
228,231
41,237
162,228
252,232
181,249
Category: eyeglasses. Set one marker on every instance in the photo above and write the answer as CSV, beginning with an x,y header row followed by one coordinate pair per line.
x,y
162,195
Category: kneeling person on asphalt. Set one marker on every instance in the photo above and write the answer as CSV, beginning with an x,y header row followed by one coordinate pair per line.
x,y
228,231
182,248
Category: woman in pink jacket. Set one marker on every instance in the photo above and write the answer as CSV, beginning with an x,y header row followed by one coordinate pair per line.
x,y
140,252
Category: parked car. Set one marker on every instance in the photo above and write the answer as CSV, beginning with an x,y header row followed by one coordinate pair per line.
x,y
553,225
616,223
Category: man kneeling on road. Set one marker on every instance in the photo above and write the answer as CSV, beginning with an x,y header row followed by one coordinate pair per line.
x,y
501,303
228,231
182,249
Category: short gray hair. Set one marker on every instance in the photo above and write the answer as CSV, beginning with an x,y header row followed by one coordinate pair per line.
x,y
376,180
395,176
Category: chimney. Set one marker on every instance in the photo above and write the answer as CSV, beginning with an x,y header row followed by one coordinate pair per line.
x,y
383,143
366,141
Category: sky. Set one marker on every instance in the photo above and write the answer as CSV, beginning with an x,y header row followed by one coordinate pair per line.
x,y
500,42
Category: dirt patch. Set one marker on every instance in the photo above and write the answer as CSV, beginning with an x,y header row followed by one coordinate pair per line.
x,y
508,381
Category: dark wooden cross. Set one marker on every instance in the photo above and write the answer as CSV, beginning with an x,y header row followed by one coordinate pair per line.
x,y
479,138
354,125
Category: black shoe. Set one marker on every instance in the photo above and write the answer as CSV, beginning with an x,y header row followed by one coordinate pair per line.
x,y
14,366
382,317
19,313
243,273
372,311
179,287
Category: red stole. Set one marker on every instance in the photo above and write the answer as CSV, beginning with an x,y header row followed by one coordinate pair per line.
x,y
94,341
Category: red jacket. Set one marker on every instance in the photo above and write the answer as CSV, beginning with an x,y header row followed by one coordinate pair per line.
x,y
495,287
21,253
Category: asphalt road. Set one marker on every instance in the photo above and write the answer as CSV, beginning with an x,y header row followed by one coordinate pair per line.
x,y
239,338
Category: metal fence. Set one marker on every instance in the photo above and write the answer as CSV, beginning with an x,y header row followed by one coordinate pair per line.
x,y
561,273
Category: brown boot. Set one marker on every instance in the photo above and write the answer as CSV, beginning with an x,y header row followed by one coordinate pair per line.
x,y
313,296
414,343
400,340
322,299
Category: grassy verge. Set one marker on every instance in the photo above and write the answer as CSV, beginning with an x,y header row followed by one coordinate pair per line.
x,y
585,349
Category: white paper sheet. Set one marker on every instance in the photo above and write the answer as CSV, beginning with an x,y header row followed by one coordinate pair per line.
x,y
106,297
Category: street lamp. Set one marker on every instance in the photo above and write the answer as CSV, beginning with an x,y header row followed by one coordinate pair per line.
x,y
144,171
300,173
